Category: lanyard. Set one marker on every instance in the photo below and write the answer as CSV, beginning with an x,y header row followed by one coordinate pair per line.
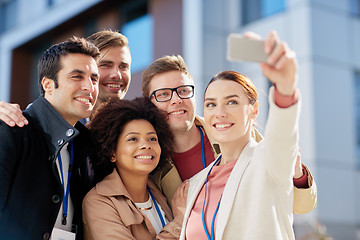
x,y
156,207
67,190
210,237
202,147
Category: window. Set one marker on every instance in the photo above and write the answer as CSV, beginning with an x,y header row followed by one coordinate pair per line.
x,y
354,7
50,2
253,10
357,114
7,14
138,28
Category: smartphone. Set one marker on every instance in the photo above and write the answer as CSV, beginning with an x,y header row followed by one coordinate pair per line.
x,y
245,49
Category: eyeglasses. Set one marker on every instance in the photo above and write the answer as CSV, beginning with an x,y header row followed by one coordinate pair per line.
x,y
165,94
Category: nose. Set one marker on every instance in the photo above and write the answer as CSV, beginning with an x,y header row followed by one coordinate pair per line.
x,y
116,74
88,85
143,144
220,112
175,99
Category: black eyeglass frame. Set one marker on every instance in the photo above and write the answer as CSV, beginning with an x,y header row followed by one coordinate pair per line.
x,y
172,91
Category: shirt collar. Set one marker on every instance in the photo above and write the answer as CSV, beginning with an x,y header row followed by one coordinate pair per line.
x,y
57,130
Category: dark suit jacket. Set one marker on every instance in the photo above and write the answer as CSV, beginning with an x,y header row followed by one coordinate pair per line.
x,y
30,187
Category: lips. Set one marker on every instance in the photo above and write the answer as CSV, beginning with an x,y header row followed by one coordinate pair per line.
x,y
145,158
84,99
177,112
222,126
114,86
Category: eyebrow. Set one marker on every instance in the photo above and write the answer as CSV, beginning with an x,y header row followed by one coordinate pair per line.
x,y
82,72
105,61
227,97
112,62
77,71
137,133
231,96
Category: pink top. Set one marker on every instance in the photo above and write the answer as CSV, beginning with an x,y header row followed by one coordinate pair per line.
x,y
215,187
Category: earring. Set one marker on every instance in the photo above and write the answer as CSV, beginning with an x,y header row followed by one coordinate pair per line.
x,y
113,159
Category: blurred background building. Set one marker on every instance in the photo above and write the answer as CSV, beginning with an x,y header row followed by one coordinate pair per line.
x,y
324,33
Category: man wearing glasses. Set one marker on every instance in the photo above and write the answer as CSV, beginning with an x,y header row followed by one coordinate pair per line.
x,y
170,86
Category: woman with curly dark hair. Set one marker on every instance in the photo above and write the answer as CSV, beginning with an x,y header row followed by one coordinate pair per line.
x,y
132,139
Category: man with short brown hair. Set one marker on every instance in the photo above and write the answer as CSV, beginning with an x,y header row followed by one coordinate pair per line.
x,y
43,171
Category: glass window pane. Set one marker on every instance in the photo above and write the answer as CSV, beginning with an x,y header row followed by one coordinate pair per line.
x,y
8,15
269,7
251,10
354,7
140,35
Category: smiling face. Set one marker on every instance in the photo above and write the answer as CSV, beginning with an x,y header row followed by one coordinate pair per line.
x,y
114,68
138,150
77,90
181,112
228,114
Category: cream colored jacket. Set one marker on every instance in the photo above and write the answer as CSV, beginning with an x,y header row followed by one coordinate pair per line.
x,y
168,179
257,201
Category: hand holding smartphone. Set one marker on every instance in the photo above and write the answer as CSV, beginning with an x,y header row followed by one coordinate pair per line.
x,y
240,48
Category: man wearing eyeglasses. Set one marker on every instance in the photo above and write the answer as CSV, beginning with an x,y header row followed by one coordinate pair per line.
x,y
170,86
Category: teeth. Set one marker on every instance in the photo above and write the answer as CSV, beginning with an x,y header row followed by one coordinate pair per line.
x,y
178,112
222,125
144,157
82,99
114,85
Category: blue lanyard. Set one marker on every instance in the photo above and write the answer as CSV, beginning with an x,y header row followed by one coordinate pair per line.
x,y
156,207
67,191
202,147
210,237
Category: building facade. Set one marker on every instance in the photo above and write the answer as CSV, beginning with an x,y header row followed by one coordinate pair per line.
x,y
324,33
25,35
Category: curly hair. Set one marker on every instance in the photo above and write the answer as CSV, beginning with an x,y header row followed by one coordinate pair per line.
x,y
108,124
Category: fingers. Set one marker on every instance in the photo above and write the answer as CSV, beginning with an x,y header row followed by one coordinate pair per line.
x,y
182,190
279,50
271,42
252,35
185,188
298,167
284,59
11,114
180,193
178,202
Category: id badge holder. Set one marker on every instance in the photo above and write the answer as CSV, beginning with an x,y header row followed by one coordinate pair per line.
x,y
59,234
